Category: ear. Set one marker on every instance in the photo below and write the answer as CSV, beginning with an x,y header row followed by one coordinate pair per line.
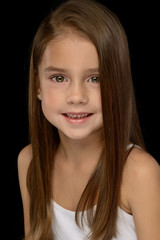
x,y
38,87
39,95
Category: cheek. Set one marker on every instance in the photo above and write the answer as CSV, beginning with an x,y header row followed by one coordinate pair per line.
x,y
96,100
50,101
99,101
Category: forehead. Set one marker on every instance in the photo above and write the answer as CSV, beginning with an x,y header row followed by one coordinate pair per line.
x,y
70,51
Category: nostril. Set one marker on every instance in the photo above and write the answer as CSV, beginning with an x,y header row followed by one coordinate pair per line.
x,y
78,98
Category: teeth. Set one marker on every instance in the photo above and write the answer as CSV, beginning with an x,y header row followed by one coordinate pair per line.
x,y
77,116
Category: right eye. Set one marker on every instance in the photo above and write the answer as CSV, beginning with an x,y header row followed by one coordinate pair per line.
x,y
59,79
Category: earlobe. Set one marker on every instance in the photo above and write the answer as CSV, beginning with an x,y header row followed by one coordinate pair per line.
x,y
38,85
38,88
39,95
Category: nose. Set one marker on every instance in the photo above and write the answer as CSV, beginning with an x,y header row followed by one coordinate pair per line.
x,y
77,94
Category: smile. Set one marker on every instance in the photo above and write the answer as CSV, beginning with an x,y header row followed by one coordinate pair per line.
x,y
77,117
74,116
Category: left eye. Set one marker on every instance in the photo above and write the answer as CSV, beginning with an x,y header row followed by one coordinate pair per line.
x,y
59,79
94,79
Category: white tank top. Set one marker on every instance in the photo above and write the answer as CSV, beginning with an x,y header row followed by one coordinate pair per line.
x,y
64,226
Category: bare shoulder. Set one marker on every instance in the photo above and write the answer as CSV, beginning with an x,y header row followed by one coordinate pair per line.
x,y
140,169
24,159
142,185
141,164
25,156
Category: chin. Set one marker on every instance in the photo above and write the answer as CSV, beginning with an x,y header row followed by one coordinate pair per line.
x,y
77,136
81,134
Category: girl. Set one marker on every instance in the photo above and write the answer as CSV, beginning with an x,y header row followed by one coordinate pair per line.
x,y
86,174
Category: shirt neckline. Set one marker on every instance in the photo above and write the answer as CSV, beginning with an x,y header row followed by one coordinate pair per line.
x,y
62,209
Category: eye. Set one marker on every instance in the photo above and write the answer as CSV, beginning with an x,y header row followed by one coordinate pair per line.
x,y
59,79
94,79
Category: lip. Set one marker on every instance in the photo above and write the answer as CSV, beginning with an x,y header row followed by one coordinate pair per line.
x,y
77,117
77,113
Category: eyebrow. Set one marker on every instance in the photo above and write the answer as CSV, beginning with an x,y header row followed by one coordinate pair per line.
x,y
57,69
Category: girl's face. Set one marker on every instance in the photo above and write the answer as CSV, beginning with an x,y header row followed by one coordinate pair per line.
x,y
69,86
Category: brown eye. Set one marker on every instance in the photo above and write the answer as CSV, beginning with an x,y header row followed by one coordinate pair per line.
x,y
59,79
94,79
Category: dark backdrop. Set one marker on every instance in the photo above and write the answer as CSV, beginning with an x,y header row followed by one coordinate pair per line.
x,y
20,21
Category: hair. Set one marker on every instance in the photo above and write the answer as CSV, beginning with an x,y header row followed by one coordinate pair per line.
x,y
120,120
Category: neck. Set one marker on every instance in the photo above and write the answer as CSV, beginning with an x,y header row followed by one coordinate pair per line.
x,y
81,152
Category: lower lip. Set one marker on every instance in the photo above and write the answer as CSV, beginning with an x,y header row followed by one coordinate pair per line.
x,y
78,120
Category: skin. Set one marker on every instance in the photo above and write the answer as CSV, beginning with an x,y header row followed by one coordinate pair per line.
x,y
77,60
78,93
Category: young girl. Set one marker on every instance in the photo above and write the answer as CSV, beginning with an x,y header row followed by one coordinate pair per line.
x,y
86,174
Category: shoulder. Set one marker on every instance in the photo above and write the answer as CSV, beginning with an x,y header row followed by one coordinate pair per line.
x,y
141,164
24,159
141,171
25,155
142,184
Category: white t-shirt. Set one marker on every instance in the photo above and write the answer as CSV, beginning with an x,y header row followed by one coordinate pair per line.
x,y
64,226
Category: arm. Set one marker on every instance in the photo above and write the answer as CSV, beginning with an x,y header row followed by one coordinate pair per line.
x,y
144,194
24,159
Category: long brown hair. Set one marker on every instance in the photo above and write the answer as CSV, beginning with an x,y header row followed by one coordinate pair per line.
x,y
120,121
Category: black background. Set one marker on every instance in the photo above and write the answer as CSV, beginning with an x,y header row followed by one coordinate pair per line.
x,y
19,22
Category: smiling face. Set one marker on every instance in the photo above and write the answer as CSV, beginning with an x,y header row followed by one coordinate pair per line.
x,y
69,86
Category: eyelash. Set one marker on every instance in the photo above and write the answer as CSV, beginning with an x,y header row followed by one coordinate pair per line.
x,y
65,79
58,76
